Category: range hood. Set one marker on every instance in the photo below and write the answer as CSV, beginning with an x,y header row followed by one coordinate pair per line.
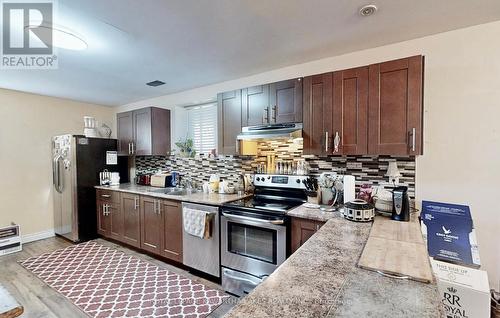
x,y
271,131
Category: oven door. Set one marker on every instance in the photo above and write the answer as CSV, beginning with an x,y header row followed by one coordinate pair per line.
x,y
252,243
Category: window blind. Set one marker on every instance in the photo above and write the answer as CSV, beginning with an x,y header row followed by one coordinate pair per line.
x,y
202,127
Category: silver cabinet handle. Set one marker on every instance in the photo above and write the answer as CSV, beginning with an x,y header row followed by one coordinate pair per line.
x,y
326,141
154,207
246,218
129,149
136,203
274,112
265,116
392,276
237,146
106,195
336,142
133,147
159,207
413,139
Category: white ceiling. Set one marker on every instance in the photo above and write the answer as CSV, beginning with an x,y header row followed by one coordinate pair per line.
x,y
192,43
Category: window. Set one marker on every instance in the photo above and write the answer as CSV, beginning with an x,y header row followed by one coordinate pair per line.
x,y
202,127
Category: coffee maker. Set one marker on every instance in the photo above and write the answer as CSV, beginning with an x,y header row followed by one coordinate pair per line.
x,y
401,204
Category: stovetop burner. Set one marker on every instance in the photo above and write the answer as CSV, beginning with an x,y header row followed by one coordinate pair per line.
x,y
281,206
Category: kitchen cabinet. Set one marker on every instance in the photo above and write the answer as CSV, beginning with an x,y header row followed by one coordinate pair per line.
x,y
302,230
279,102
350,112
125,132
286,101
317,113
229,108
172,229
255,105
144,132
395,107
151,224
130,204
103,221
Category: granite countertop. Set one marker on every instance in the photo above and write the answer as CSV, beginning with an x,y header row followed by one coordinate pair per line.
x,y
197,197
321,279
311,214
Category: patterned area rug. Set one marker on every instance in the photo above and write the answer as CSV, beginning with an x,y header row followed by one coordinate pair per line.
x,y
105,282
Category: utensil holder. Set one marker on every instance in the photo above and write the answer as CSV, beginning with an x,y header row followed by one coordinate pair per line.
x,y
313,197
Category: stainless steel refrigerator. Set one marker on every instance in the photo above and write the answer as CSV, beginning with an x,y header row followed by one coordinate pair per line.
x,y
77,161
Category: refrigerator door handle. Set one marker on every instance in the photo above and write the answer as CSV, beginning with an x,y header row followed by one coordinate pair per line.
x,y
60,177
55,177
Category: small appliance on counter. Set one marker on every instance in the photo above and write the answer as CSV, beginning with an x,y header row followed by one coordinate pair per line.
x,y
359,211
401,204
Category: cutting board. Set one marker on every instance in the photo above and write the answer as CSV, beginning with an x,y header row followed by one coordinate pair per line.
x,y
397,248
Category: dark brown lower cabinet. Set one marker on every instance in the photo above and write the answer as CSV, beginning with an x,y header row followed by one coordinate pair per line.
x,y
130,204
151,225
302,230
116,221
103,221
172,230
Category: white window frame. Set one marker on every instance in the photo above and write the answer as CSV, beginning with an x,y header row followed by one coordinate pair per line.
x,y
202,127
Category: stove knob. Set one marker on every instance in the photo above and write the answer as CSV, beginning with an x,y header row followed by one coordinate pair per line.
x,y
257,179
298,181
268,178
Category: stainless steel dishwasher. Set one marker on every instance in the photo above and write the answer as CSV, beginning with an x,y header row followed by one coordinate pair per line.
x,y
202,254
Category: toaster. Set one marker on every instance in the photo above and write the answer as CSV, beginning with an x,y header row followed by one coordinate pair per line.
x,y
160,180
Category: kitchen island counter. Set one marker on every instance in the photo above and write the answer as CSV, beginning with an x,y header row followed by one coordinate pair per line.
x,y
321,279
196,197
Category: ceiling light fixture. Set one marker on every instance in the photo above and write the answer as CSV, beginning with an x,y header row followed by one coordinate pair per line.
x,y
63,38
368,10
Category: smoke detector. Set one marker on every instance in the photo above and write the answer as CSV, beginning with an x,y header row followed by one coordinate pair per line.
x,y
368,10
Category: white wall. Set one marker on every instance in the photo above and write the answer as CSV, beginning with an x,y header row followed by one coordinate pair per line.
x,y
461,161
28,122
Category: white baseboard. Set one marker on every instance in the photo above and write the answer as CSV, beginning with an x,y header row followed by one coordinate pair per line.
x,y
37,236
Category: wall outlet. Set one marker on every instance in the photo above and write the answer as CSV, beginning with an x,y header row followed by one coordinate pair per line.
x,y
354,165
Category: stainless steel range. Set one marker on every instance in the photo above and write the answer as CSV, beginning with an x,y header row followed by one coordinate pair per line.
x,y
254,231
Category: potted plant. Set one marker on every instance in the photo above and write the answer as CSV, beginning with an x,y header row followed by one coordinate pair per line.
x,y
186,148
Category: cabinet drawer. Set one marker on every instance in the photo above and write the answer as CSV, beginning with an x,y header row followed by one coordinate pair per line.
x,y
108,196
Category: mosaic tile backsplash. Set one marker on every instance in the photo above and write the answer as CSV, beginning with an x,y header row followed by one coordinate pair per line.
x,y
366,169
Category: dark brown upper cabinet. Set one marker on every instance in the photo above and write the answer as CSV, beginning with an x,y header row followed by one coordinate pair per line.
x,y
350,112
229,109
317,113
395,107
286,101
255,105
144,132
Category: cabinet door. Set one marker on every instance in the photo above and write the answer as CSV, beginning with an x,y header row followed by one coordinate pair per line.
x,y
124,132
302,230
151,225
172,230
116,221
350,112
103,221
317,103
160,131
255,105
395,107
130,204
286,101
142,132
229,117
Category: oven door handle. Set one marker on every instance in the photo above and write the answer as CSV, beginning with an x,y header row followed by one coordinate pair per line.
x,y
241,279
247,218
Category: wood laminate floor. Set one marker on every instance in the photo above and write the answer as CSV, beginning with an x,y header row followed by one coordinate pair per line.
x,y
39,300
